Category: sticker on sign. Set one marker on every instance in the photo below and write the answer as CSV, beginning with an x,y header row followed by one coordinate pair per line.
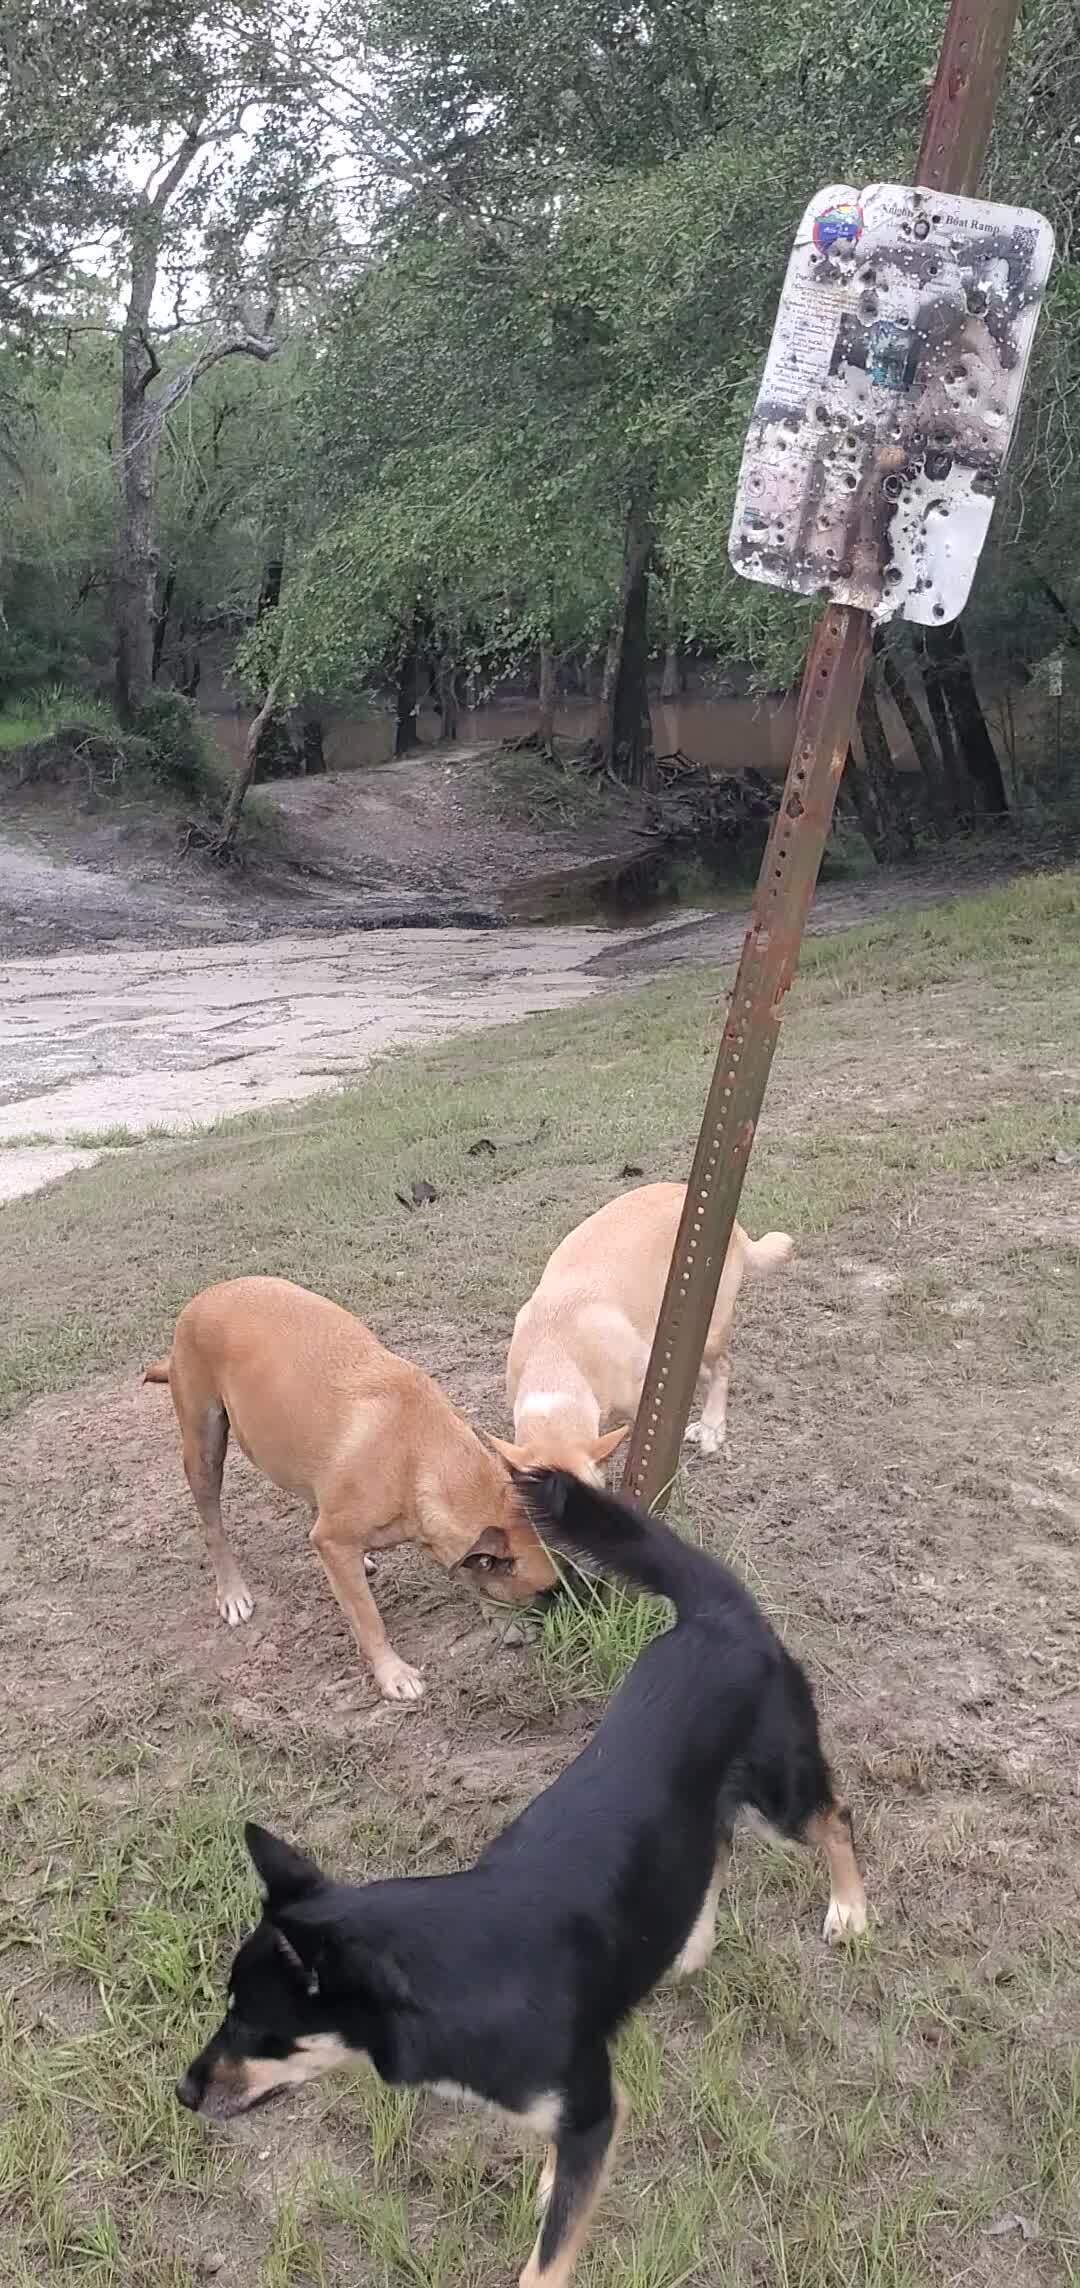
x,y
889,398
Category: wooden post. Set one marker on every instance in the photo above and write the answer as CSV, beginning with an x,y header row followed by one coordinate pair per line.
x,y
959,117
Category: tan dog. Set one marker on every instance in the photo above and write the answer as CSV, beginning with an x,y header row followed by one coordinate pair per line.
x,y
581,1343
370,1441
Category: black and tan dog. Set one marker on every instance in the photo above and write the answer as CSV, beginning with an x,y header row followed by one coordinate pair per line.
x,y
506,1983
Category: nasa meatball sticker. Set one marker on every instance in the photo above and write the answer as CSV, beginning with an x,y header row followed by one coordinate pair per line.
x,y
889,398
838,225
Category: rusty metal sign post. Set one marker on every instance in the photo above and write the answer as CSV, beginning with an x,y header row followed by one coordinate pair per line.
x,y
959,117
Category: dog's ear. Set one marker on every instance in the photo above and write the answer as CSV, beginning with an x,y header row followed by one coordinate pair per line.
x,y
492,1546
284,1873
606,1446
516,1456
305,1973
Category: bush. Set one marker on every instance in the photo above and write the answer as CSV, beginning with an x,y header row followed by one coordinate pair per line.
x,y
174,749
59,735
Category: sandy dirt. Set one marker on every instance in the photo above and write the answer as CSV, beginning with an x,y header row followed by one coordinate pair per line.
x,y
433,824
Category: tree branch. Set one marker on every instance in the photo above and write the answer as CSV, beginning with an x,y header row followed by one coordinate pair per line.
x,y
154,367
189,150
236,345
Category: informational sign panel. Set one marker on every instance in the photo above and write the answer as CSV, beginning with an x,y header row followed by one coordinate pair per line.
x,y
889,398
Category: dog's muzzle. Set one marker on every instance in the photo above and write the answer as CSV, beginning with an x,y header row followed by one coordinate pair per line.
x,y
189,2092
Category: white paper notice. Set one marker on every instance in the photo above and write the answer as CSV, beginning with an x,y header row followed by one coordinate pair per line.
x,y
889,398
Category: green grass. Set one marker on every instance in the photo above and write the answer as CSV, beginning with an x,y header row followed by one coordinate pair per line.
x,y
592,1635
1012,934
39,714
594,1632
794,2114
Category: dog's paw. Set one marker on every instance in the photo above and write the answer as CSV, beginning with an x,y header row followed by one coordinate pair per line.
x,y
369,1564
702,1434
397,1681
236,1604
843,1921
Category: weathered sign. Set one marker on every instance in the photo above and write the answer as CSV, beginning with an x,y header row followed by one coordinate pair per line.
x,y
889,398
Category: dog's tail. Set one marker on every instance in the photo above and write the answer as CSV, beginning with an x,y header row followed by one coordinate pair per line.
x,y
768,1253
606,1535
158,1370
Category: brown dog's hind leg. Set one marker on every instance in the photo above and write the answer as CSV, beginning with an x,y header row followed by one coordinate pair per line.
x,y
830,1832
583,2160
337,1541
206,1439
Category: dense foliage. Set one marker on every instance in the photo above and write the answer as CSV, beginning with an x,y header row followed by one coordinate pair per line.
x,y
420,339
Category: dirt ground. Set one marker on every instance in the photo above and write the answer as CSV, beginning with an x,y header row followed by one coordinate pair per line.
x,y
448,821
963,1528
413,843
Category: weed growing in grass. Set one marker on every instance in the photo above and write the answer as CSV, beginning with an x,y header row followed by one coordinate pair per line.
x,y
593,1633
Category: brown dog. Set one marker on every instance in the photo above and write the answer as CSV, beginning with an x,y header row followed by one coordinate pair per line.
x,y
581,1343
370,1441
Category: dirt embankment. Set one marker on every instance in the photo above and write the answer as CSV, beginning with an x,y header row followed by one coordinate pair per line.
x,y
423,843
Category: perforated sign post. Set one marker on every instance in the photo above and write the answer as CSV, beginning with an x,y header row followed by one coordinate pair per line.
x,y
889,391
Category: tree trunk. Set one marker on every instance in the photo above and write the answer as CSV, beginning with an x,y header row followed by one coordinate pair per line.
x,y
926,753
273,574
406,730
671,681
135,579
311,743
141,424
897,838
246,773
448,697
161,623
136,562
947,649
1071,627
139,445
545,713
303,738
961,791
624,729
856,785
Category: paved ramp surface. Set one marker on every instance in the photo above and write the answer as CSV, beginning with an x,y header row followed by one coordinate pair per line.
x,y
148,1039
